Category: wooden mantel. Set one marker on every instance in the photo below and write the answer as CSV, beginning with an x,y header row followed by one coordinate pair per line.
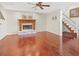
x,y
25,21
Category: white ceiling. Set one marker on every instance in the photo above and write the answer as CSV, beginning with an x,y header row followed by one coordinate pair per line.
x,y
25,6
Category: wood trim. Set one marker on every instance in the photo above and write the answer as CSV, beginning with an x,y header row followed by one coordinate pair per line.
x,y
74,12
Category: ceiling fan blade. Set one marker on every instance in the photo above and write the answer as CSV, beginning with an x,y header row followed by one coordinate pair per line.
x,y
34,6
39,2
46,5
41,7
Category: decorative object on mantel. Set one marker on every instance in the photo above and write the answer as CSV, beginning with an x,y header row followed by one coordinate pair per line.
x,y
54,17
27,17
24,17
1,16
30,17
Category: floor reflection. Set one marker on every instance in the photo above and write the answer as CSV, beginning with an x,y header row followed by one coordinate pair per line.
x,y
39,44
27,44
71,47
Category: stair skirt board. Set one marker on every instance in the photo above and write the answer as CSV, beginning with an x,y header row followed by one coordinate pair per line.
x,y
68,36
72,31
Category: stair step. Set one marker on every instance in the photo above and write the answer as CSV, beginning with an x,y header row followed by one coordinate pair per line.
x,y
72,29
70,26
67,24
68,35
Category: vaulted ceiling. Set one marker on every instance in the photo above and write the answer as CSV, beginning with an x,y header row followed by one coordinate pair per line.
x,y
25,6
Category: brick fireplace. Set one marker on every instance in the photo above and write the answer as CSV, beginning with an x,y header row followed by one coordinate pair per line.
x,y
26,24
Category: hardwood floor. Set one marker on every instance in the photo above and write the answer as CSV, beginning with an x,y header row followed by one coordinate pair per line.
x,y
70,46
67,36
39,44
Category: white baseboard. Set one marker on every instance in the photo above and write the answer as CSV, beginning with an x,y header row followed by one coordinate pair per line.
x,y
11,33
59,34
3,36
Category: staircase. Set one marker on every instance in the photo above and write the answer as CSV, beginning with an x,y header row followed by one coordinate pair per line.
x,y
71,26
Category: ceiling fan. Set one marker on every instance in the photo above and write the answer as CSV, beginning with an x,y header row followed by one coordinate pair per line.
x,y
40,5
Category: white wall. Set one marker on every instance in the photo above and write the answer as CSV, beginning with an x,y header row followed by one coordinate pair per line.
x,y
40,22
53,25
13,17
3,29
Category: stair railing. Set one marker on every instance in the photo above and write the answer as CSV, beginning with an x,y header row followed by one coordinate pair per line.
x,y
69,19
70,22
